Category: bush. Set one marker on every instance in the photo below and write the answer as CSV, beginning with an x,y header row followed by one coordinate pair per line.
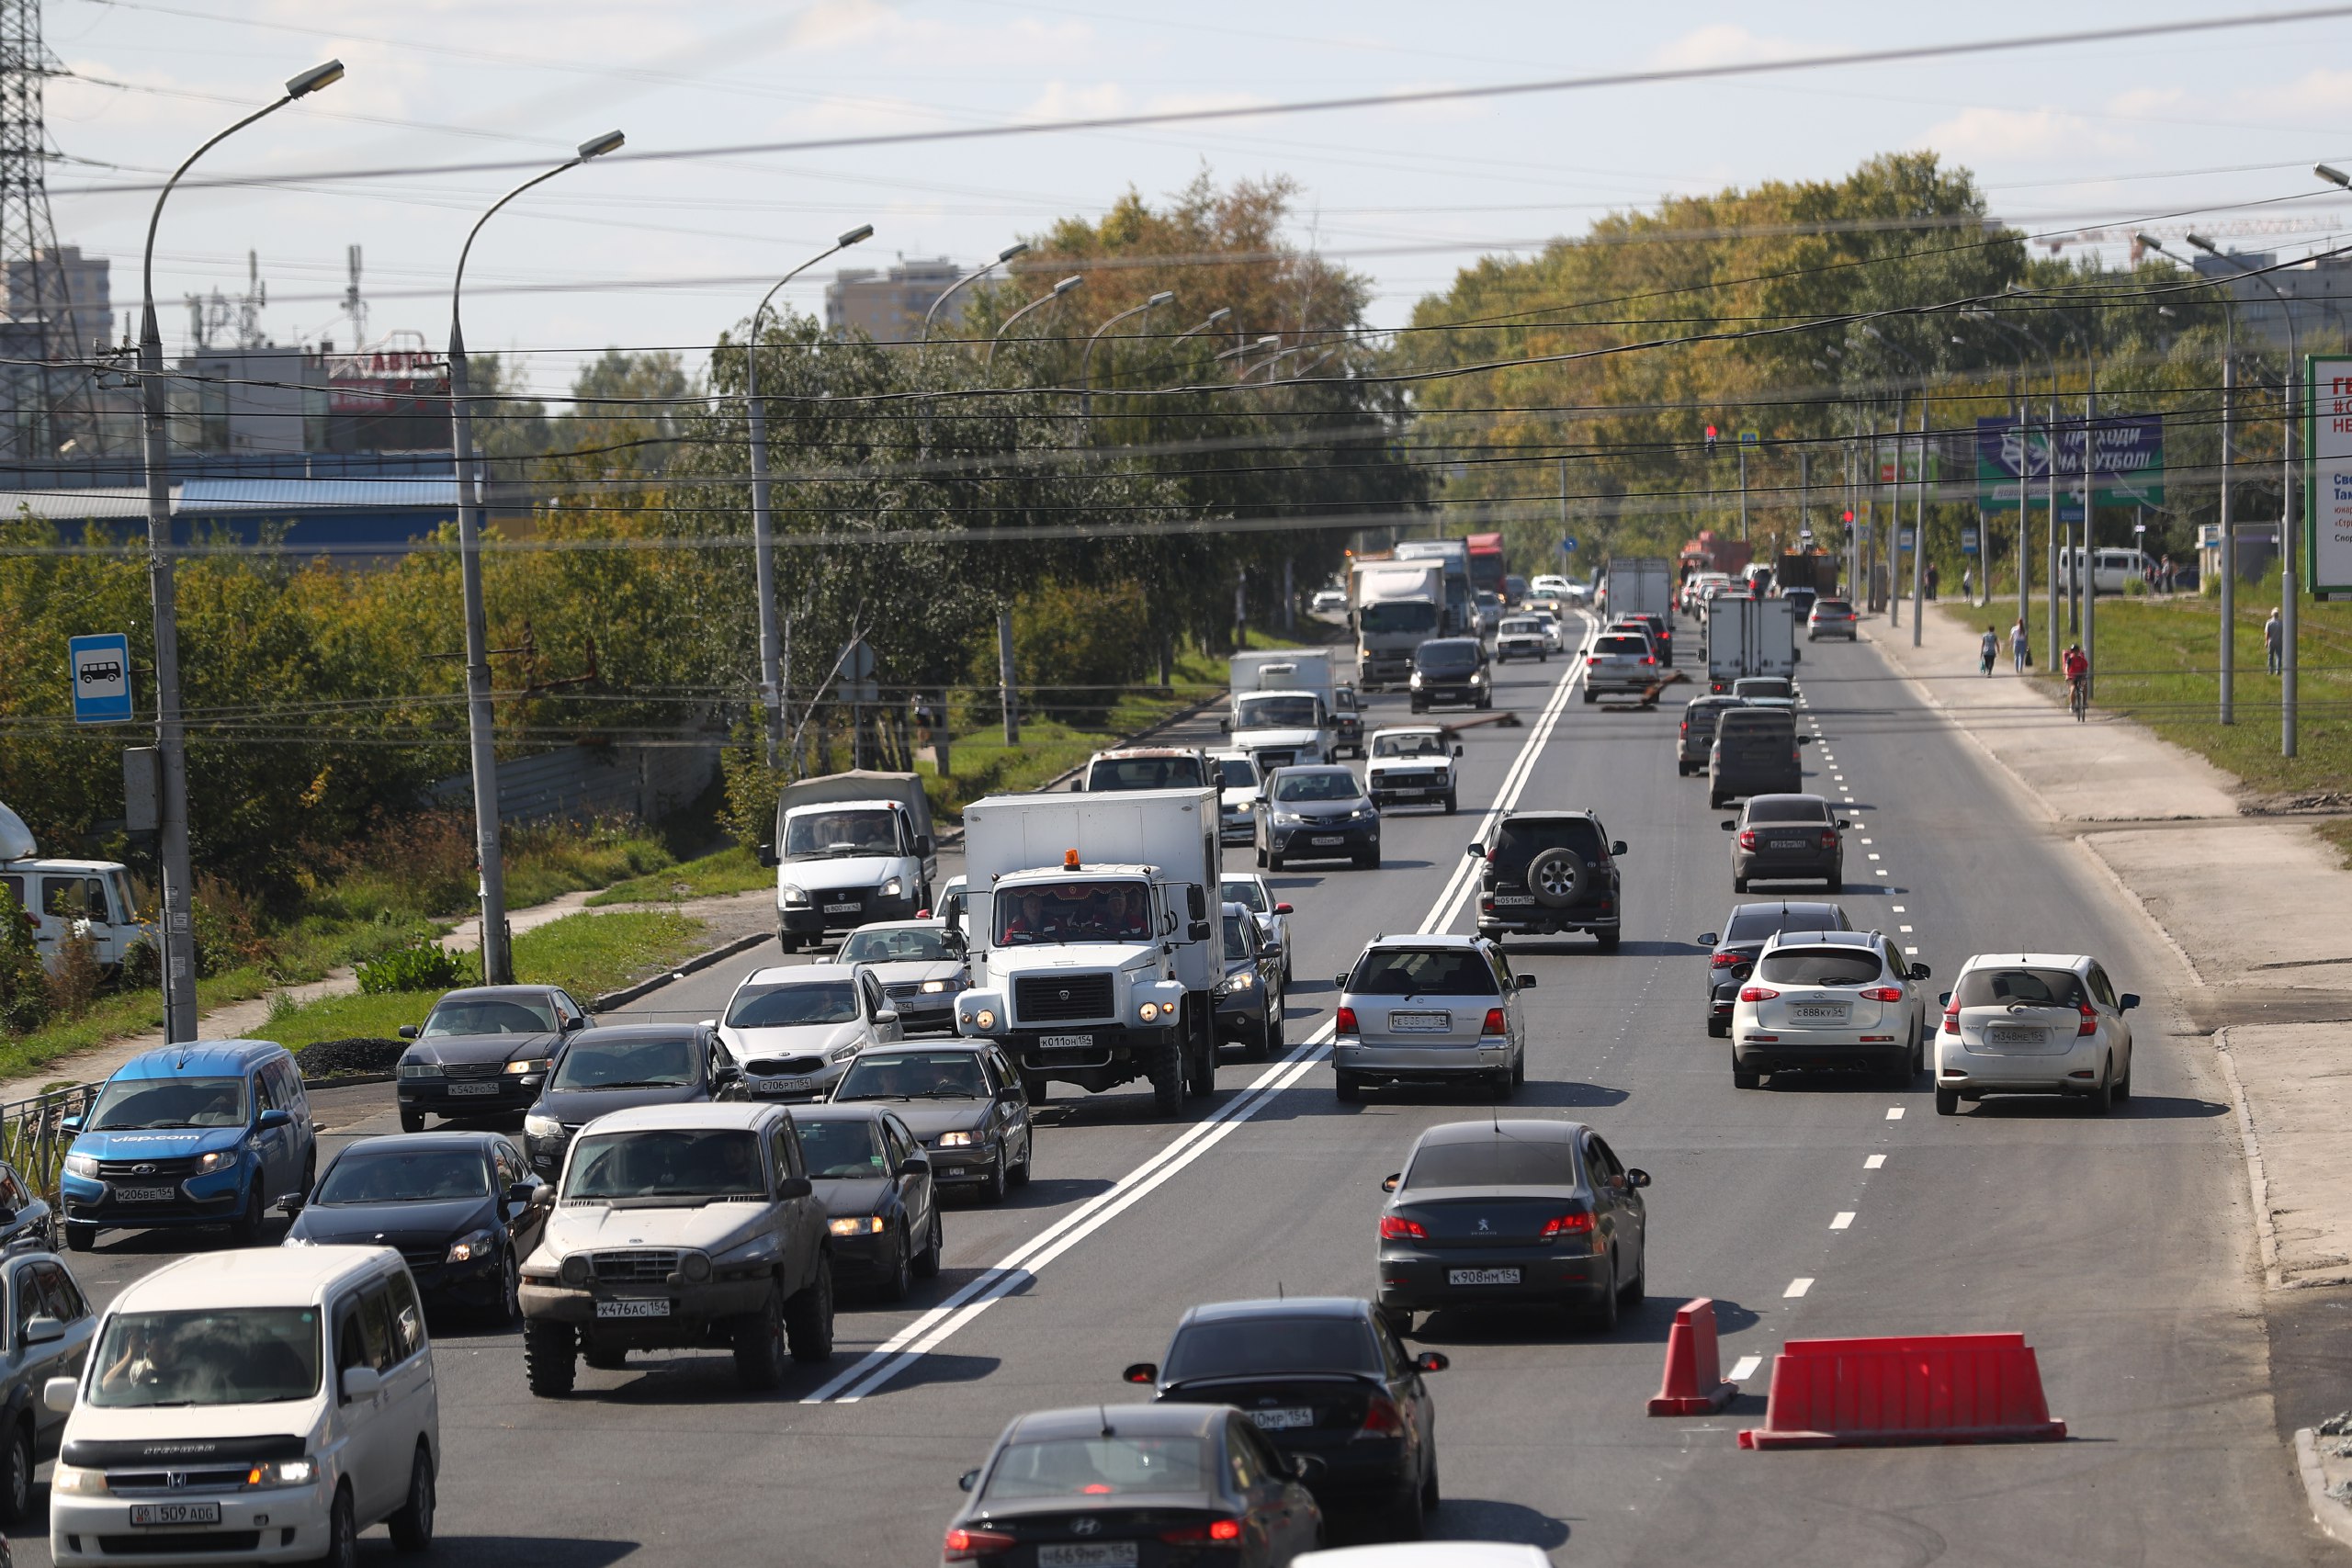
x,y
24,989
1075,648
337,1058
228,928
421,966
78,979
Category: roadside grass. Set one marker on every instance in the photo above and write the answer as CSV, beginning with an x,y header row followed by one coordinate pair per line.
x,y
118,1014
2340,835
731,870
2158,661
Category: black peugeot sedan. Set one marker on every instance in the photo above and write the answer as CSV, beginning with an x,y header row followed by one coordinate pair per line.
x,y
484,1051
962,1100
881,1204
1323,1377
1512,1213
1316,812
1146,1485
1250,998
604,1070
1787,838
461,1207
1744,933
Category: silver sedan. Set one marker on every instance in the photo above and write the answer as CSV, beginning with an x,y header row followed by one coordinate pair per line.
x,y
1430,1009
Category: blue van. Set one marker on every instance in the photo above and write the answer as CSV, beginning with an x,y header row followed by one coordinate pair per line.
x,y
210,1132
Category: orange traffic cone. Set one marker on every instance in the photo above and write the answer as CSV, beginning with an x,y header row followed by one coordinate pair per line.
x,y
1694,1375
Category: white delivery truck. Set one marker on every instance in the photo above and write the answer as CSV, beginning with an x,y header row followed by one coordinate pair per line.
x,y
87,899
1279,729
849,848
1095,947
1395,606
1749,636
1460,601
1640,585
1304,669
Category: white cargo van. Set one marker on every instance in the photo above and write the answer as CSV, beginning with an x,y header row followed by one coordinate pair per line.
x,y
69,898
250,1406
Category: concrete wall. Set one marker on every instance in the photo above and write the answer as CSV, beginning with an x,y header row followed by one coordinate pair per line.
x,y
631,780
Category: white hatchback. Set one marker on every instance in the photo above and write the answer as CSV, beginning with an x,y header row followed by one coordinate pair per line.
x,y
1829,999
2033,1023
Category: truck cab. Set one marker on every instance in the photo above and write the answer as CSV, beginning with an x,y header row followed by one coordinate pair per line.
x,y
850,849
66,898
1281,729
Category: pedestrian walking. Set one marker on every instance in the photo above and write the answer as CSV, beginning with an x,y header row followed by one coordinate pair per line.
x,y
1968,582
1988,649
2274,640
2020,648
2164,574
1933,577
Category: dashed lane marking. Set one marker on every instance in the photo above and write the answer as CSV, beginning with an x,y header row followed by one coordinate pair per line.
x,y
1873,1162
1844,1220
1745,1367
1895,1113
1797,1287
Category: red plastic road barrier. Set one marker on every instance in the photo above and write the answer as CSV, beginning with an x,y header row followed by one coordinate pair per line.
x,y
1694,1373
1953,1388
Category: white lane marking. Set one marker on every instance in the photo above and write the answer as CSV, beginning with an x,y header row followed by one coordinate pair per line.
x,y
903,1349
1880,871
1745,1367
1873,1162
1895,1113
1845,1218
1903,928
1900,909
1873,855
1797,1287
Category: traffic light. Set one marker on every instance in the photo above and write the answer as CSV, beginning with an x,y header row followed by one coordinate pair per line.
x,y
1711,441
1847,517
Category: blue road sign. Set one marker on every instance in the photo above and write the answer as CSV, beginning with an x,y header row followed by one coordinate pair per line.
x,y
99,668
1568,546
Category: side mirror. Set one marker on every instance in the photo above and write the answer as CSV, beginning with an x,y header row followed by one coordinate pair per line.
x,y
1458,750
969,1480
2128,1000
915,1165
292,1205
1729,825
58,1394
1920,971
1804,740
70,1124
408,1031
523,1192
1524,982
1283,909
1143,1372
43,1330
1843,823
361,1382
275,1116
793,1187
1078,787
1617,847
1431,1361
1475,852
709,1023
727,1072
1341,982
1637,1178
887,1016
578,1021
1388,1183
1944,1000
1197,930
1225,722
1709,938
768,856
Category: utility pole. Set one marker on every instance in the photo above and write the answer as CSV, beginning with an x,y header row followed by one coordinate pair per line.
x,y
1006,694
1743,488
1920,527
2228,532
2088,555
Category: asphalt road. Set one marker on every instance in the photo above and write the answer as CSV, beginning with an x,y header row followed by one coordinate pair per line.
x,y
2119,1247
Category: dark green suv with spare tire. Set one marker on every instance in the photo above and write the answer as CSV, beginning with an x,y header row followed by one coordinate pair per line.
x,y
1549,872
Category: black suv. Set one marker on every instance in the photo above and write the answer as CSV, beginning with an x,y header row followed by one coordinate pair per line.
x,y
1744,936
1549,871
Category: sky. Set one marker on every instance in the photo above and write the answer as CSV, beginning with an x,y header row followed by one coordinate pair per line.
x,y
2215,132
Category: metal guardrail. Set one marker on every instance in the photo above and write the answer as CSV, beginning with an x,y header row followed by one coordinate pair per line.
x,y
33,1136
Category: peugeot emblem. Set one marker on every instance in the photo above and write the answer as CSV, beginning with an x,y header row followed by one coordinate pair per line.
x,y
1486,1229
1086,1527
142,1170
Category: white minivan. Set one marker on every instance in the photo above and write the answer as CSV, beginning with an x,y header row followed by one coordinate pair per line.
x,y
2110,568
255,1405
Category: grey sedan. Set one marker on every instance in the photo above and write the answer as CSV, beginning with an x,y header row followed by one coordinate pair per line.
x,y
1430,1009
1316,812
963,1102
921,965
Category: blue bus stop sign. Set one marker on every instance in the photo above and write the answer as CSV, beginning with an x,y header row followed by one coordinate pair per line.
x,y
1568,546
99,668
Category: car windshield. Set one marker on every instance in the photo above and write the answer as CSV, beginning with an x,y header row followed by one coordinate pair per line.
x,y
867,830
791,1004
1497,1161
1146,772
405,1175
1274,713
912,1075
1819,966
665,1063
1422,971
1244,892
1788,808
2021,988
1315,784
1236,773
841,1149
1096,1467
207,1355
1392,617
901,944
1237,942
1428,744
667,1162
1254,1346
127,1103
1446,656
1761,686
1523,626
1832,607
489,1015
1072,911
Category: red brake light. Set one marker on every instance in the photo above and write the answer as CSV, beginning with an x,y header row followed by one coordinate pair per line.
x,y
1494,1025
1648,660
1396,1227
1567,1225
1748,838
971,1546
1725,961
1381,1419
1882,994
1757,992
1951,1019
1216,1532
2090,1019
1829,839
1345,1023
1592,659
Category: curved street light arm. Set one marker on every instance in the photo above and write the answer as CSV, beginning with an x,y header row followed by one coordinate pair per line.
x,y
1058,290
974,275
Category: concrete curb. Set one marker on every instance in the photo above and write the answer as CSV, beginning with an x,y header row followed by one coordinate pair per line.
x,y
349,1081
2266,1229
701,961
2332,1516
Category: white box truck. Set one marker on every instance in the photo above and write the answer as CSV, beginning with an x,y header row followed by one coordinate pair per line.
x,y
1461,596
1639,585
1395,606
849,848
1302,670
1749,636
1095,946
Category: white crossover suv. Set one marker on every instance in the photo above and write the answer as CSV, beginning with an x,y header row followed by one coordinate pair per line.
x,y
2033,1023
1829,999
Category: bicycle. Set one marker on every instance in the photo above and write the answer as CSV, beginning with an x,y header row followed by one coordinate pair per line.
x,y
2078,696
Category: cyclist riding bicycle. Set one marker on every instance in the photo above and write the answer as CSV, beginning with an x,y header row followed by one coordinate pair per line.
x,y
2077,666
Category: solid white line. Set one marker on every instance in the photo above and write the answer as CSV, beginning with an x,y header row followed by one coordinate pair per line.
x,y
1797,1287
1895,1113
1745,1367
903,1349
1873,1162
1845,1219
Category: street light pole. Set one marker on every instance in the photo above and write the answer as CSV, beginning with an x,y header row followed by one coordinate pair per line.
x,y
974,275
177,948
762,516
497,961
1047,297
2228,712
1086,360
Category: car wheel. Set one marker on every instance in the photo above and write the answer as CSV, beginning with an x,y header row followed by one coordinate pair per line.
x,y
550,1358
1166,1070
1348,1087
808,1316
343,1533
1367,863
1408,1515
992,1190
248,1228
1430,1498
412,1525
1017,1173
16,1497
1600,1316
603,1358
900,1278
1739,885
1715,803
2100,1101
1746,1078
1273,862
80,1237
510,1292
1718,1029
1590,696
759,1347
1452,803
2123,1084
927,1261
1518,1069
1499,1084
1635,1291
1947,1102
1262,859
1262,1046
1033,1088
1608,939
1896,1069
412,1120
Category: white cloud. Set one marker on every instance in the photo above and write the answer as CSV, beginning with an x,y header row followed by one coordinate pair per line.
x,y
1720,43
2322,93
1066,100
1980,133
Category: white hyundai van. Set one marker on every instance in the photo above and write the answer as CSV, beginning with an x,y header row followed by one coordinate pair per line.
x,y
255,1405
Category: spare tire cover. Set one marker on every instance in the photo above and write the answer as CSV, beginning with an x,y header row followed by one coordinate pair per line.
x,y
1558,877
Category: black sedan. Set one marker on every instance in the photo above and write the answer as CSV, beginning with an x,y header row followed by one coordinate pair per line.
x,y
1316,812
484,1051
1321,1377
461,1207
964,1104
1250,998
880,1204
1513,1212
612,1070
1744,936
1787,838
1150,1486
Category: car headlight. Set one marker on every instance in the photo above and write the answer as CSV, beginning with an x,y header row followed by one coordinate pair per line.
x,y
793,895
74,1479
1288,817
846,1052
984,1018
932,987
1239,983
891,888
293,1240
420,1069
283,1473
219,1160
1476,679
481,1244
695,1267
535,1065
1416,679
536,1125
955,1140
82,1164
1148,1011
863,1225
578,1271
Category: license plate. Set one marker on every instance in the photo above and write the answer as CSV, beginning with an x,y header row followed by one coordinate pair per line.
x,y
1788,843
1325,840
486,1087
1280,1421
778,1086
1420,1022
1087,1554
2001,1035
841,908
1067,1041
175,1513
1514,899
146,1194
1415,790
633,1309
1482,1276
1818,1010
